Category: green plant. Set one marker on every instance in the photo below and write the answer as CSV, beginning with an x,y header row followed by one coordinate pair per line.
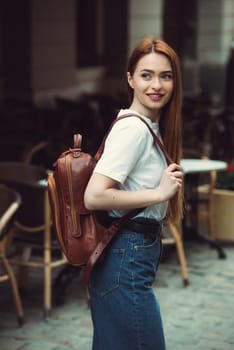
x,y
225,179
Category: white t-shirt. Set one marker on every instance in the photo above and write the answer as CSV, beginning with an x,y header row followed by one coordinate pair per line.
x,y
131,159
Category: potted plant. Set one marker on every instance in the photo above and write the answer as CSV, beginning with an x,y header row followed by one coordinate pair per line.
x,y
225,179
223,205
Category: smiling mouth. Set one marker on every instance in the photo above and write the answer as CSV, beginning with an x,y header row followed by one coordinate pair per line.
x,y
155,97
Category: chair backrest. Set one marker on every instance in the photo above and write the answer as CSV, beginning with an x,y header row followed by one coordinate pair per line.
x,y
10,202
28,156
26,179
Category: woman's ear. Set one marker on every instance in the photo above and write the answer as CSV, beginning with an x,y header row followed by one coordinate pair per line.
x,y
129,78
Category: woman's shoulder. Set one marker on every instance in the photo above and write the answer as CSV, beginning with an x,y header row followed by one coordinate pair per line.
x,y
127,118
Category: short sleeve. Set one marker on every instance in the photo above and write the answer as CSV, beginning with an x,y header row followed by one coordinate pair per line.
x,y
124,146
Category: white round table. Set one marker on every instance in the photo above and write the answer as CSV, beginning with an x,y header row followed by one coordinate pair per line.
x,y
192,168
202,165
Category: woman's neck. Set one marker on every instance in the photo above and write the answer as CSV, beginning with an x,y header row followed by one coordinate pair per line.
x,y
154,116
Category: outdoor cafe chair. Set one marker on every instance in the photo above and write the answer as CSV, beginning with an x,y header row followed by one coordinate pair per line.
x,y
199,197
10,202
34,241
205,202
176,239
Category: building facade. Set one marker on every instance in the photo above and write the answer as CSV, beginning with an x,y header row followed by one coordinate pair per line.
x,y
59,47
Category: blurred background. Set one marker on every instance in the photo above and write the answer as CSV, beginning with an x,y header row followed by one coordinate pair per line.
x,y
62,70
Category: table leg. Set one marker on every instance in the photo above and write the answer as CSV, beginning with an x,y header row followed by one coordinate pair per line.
x,y
190,221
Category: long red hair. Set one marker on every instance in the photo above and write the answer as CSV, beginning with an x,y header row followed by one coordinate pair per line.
x,y
170,118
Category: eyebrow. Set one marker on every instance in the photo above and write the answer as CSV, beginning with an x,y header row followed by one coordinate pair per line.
x,y
151,71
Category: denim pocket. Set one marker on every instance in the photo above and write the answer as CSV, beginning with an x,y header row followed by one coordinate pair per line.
x,y
148,252
106,274
148,241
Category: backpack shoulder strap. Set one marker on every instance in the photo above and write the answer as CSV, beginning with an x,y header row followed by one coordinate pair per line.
x,y
118,223
157,141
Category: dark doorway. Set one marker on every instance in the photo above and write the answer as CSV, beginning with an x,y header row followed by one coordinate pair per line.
x,y
180,26
102,33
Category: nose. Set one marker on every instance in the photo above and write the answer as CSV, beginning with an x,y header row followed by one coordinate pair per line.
x,y
156,83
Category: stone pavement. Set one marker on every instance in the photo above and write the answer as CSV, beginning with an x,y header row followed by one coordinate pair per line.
x,y
198,317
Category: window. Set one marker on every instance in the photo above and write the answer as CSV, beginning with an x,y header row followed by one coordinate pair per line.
x,y
90,32
102,33
179,27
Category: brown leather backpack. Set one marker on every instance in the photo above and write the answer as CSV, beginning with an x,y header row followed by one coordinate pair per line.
x,y
80,233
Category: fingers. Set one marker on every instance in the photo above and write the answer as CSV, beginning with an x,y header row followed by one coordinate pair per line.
x,y
175,174
175,170
174,167
176,180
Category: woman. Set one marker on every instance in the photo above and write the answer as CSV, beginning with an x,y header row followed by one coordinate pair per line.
x,y
133,173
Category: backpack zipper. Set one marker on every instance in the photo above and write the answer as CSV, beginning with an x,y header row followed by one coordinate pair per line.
x,y
54,197
73,212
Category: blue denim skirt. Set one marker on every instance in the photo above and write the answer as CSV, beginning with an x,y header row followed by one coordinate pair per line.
x,y
125,312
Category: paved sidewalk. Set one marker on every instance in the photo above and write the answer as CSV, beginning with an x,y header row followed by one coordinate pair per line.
x,y
199,317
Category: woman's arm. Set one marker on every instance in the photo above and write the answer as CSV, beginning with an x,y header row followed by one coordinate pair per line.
x,y
101,192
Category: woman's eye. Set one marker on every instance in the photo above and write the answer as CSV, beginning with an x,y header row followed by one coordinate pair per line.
x,y
146,76
167,76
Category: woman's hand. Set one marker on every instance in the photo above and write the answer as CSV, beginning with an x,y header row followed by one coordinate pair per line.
x,y
102,194
171,181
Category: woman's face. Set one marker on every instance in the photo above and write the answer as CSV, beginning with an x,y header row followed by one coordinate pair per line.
x,y
152,84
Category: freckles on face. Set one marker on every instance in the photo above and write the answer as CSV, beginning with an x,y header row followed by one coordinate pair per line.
x,y
152,81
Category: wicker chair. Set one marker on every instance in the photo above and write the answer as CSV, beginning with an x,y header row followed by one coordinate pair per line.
x,y
175,238
33,235
10,202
